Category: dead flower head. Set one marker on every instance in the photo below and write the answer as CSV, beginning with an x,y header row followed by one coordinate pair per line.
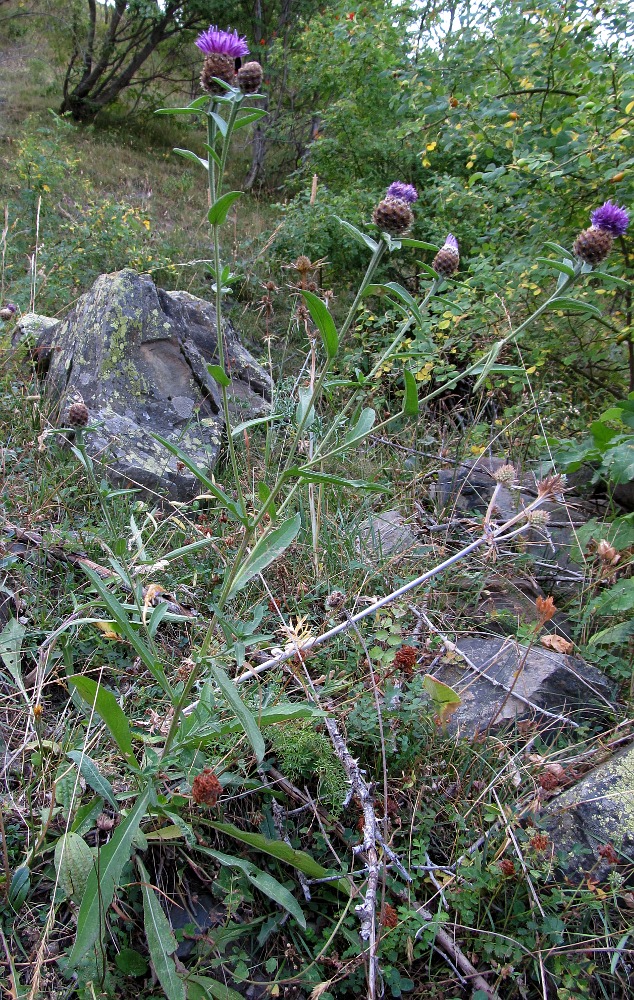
x,y
206,788
505,475
552,488
545,609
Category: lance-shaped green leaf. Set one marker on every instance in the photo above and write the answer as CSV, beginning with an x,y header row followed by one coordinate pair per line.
x,y
252,115
426,269
300,860
188,155
563,268
401,295
406,241
104,880
262,881
128,629
255,422
107,707
213,154
93,776
612,279
574,306
323,321
313,476
220,209
243,713
410,403
230,505
264,492
265,551
358,235
219,375
194,108
303,417
160,939
556,248
204,988
363,426
488,364
221,123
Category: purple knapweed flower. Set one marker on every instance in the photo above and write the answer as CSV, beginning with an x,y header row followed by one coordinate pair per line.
x,y
451,242
611,219
404,192
227,43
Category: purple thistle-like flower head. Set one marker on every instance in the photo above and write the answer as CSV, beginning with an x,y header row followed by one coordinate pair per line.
x,y
227,43
451,242
611,219
404,192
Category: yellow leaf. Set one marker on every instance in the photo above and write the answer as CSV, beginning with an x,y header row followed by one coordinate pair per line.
x,y
567,27
445,699
431,145
45,187
533,368
629,108
152,591
110,630
146,223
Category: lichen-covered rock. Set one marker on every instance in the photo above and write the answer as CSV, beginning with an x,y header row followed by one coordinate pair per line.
x,y
137,357
596,812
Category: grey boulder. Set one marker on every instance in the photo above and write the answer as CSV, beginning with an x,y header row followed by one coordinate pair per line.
x,y
137,356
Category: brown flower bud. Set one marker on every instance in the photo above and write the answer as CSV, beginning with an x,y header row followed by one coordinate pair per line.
x,y
78,415
250,77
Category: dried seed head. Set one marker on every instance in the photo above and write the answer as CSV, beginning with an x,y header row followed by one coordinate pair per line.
x,y
538,518
539,842
405,657
250,77
552,488
302,264
607,852
507,867
335,600
393,215
606,552
545,609
505,475
389,916
78,415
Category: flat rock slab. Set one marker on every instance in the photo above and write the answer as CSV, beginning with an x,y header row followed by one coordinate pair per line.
x,y
597,811
137,356
387,534
539,679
